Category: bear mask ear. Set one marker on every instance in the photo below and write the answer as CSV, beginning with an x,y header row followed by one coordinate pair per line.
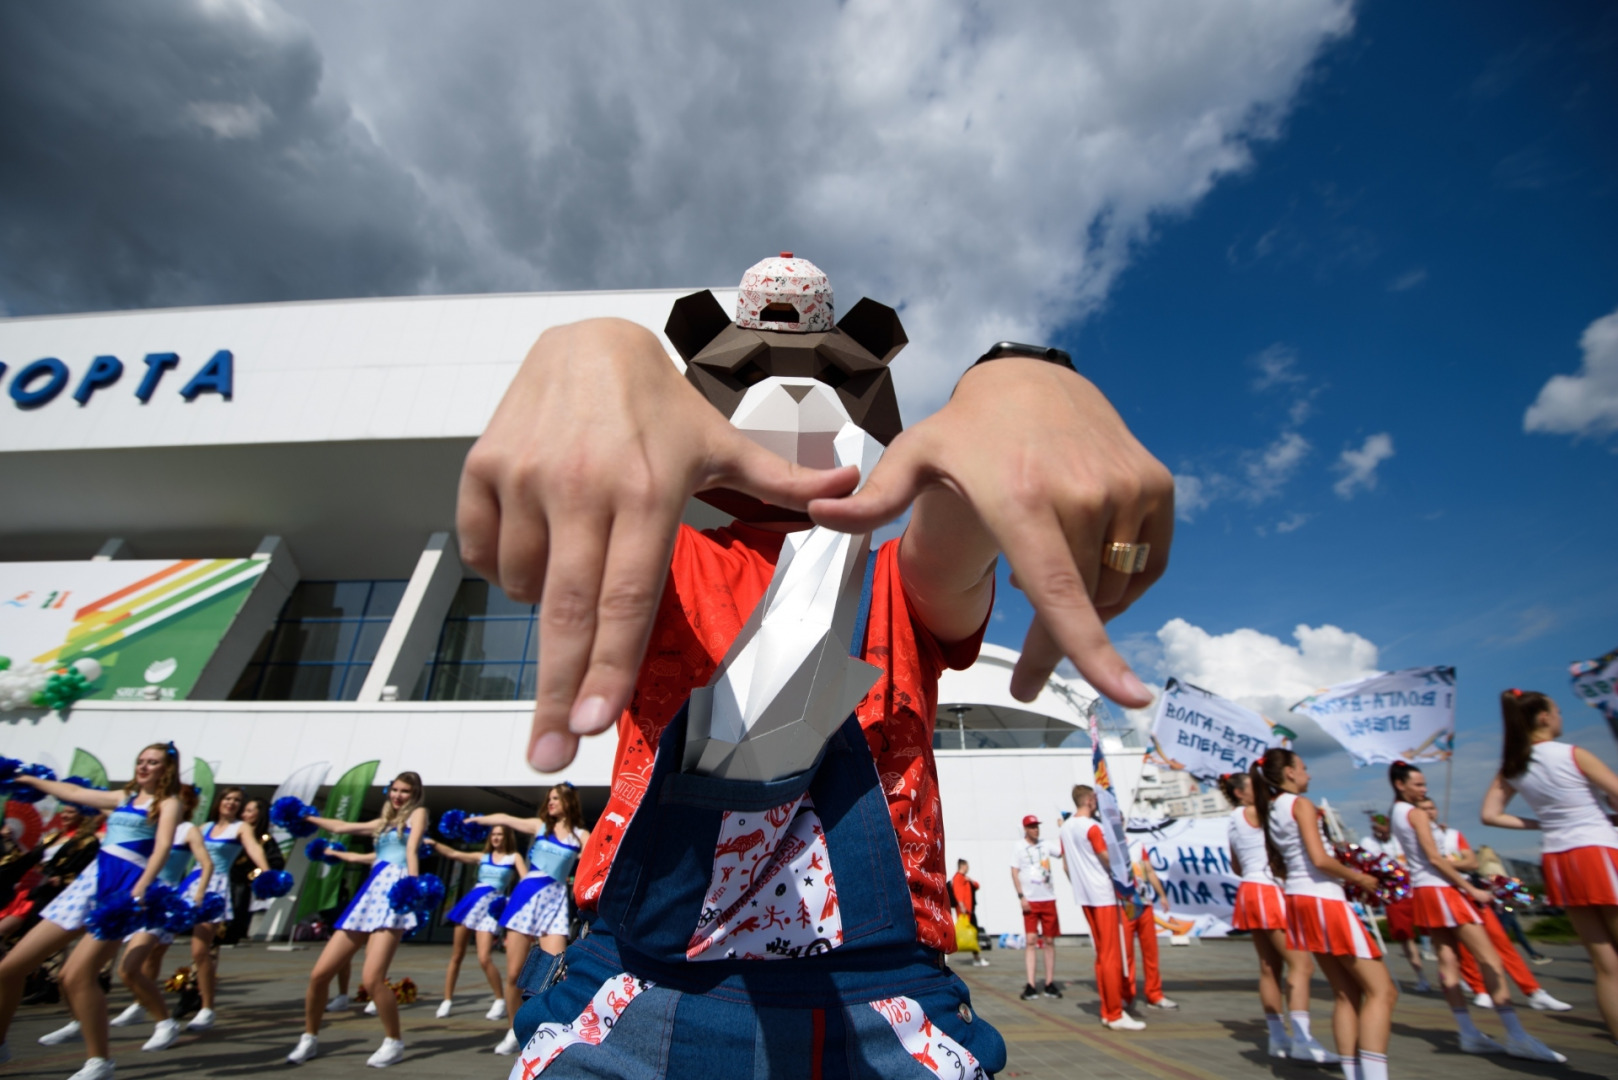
x,y
876,327
694,322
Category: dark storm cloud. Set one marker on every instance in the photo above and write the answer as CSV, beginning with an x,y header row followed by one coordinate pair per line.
x,y
174,153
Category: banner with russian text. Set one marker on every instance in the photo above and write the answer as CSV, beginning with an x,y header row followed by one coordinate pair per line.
x,y
1206,735
323,883
1596,684
1192,859
1404,715
1112,822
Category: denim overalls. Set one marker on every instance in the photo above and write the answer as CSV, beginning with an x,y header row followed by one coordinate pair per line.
x,y
847,993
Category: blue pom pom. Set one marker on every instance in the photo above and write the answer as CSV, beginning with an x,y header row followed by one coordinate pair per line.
x,y
290,813
426,846
454,825
25,793
432,892
315,850
404,894
497,907
119,917
212,908
8,767
90,785
272,883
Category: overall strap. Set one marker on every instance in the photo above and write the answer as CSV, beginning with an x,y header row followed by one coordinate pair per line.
x,y
856,647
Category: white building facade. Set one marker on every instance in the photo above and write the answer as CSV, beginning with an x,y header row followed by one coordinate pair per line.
x,y
306,455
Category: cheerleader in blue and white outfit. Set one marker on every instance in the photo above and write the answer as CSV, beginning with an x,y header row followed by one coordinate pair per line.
x,y
538,907
142,819
142,963
499,864
369,921
227,838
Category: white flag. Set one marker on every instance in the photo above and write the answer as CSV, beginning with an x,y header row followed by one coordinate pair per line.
x,y
1596,683
1205,734
1399,716
303,784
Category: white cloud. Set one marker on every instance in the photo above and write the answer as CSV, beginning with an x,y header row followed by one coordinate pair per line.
x,y
1586,403
1269,469
991,169
1277,366
1292,523
1190,496
1408,280
1358,467
1265,673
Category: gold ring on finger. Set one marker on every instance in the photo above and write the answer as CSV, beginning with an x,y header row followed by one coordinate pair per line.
x,y
1127,558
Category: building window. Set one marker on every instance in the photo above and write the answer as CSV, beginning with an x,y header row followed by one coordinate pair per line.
x,y
487,651
323,642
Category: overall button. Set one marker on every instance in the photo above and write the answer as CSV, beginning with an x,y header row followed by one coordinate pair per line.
x,y
964,1012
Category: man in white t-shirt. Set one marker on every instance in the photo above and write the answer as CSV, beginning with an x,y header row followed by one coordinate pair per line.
x,y
1031,876
1085,845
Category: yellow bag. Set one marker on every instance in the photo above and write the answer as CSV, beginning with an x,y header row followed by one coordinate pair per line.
x,y
966,935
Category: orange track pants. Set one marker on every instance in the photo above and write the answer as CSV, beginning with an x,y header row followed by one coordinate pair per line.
x,y
1107,935
1510,958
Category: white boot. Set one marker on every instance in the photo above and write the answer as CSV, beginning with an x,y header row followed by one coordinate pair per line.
x,y
94,1069
508,1045
497,1011
1310,1050
370,1008
444,1007
1125,1022
1280,1048
67,1033
308,1046
1532,1050
135,1014
389,1052
202,1021
163,1035
338,1003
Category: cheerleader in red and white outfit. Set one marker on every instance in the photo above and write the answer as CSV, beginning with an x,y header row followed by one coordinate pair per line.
x,y
1563,785
1261,910
1319,919
1447,908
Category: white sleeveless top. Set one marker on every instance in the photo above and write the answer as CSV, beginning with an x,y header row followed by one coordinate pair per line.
x,y
1562,798
1247,844
1421,869
1304,878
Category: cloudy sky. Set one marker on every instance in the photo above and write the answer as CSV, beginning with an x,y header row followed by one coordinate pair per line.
x,y
1349,269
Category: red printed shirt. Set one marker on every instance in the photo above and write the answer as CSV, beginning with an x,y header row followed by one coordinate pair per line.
x,y
715,580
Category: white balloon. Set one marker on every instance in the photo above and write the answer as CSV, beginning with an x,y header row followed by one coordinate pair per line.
x,y
90,669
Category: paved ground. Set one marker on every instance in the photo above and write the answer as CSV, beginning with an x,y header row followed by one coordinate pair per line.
x,y
1218,1031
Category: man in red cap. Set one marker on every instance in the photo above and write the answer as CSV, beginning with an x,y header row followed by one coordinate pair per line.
x,y
1031,877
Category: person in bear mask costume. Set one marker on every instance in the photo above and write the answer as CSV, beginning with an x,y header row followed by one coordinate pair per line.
x,y
765,890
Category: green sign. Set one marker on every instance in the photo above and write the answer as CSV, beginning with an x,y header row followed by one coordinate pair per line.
x,y
89,766
202,776
324,882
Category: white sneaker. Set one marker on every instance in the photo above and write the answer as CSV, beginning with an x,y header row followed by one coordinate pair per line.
x,y
389,1052
338,1003
444,1007
1480,1044
497,1011
1483,1001
67,1033
1422,985
1310,1050
1280,1048
508,1045
135,1014
370,1008
94,1069
1533,1050
1124,1023
202,1021
1541,999
981,962
308,1046
1428,954
163,1035
1162,1003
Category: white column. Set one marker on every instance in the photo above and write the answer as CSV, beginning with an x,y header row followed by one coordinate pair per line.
x,y
413,634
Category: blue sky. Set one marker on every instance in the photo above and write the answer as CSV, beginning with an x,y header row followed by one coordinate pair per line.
x,y
1424,244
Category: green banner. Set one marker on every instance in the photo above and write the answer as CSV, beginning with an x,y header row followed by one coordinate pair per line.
x,y
89,766
202,776
324,881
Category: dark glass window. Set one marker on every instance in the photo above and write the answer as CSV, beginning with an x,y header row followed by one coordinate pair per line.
x,y
487,650
322,644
